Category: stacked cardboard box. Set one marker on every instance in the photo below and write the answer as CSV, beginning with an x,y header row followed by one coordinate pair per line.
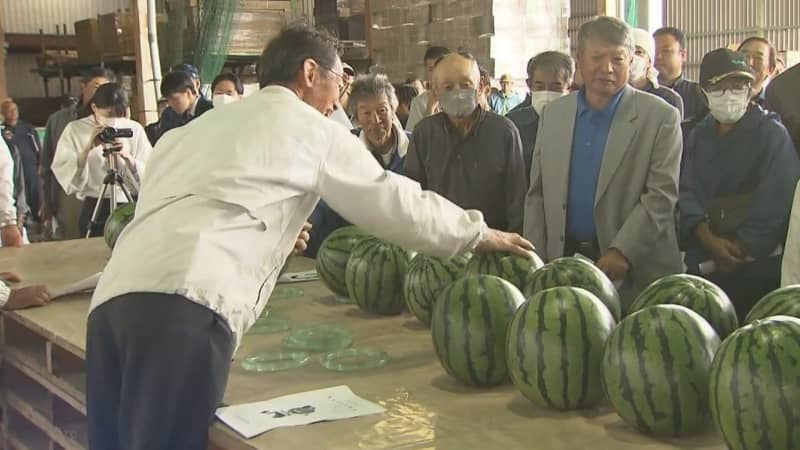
x,y
502,34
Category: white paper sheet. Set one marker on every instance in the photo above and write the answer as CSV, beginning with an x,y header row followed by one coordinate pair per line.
x,y
299,277
304,408
86,285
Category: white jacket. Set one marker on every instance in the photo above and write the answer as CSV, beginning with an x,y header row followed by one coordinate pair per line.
x,y
225,197
791,253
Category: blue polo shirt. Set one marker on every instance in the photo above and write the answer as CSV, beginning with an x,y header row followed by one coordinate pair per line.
x,y
588,147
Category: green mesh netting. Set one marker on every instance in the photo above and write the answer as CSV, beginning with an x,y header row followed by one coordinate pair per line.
x,y
213,36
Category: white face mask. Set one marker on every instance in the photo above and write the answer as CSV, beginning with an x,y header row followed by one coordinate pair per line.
x,y
730,106
111,122
638,68
223,99
541,98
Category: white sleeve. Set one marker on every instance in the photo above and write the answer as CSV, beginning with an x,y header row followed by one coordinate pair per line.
x,y
140,150
418,106
8,211
392,206
5,294
70,176
791,254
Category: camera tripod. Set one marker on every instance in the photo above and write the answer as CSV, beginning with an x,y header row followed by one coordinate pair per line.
x,y
112,180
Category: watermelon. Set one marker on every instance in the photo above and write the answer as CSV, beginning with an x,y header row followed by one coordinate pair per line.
x,y
426,279
754,389
469,325
656,369
332,257
576,272
555,348
374,276
782,302
510,267
117,221
698,294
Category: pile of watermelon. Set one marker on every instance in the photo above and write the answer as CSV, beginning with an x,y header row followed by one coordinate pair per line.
x,y
676,361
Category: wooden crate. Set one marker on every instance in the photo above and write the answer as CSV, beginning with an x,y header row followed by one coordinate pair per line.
x,y
118,34
89,41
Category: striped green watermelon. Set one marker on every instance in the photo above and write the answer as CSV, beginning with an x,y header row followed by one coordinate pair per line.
x,y
576,272
117,221
512,268
332,257
374,276
555,348
782,302
754,388
426,279
469,325
698,294
656,369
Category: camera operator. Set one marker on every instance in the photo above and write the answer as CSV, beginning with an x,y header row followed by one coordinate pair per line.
x,y
82,157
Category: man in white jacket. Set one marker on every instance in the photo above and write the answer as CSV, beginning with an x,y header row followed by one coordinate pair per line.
x,y
790,270
217,216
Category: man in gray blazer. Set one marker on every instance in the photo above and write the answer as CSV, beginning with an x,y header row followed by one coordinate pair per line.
x,y
604,177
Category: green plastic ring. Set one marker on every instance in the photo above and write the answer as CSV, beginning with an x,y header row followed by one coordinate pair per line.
x,y
320,338
353,359
275,361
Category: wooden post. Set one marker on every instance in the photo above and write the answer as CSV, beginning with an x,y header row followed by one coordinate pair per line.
x,y
147,103
3,90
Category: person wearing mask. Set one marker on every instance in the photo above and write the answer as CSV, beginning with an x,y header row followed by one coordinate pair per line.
x,y
604,178
426,104
183,99
550,75
226,88
448,152
406,93
670,56
644,76
763,59
372,105
60,211
737,185
526,102
783,97
80,165
506,98
22,137
177,295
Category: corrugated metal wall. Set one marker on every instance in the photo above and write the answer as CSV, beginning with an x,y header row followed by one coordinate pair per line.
x,y
581,11
29,16
711,24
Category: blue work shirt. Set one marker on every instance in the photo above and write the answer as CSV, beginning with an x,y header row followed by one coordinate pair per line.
x,y
758,152
588,147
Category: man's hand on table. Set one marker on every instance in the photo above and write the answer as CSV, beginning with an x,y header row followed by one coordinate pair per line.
x,y
10,277
28,297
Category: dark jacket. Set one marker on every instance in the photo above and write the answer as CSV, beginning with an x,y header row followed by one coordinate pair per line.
x,y
25,140
55,126
756,158
171,120
694,109
527,122
668,95
324,220
526,103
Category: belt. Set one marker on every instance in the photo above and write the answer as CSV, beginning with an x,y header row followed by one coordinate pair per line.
x,y
589,249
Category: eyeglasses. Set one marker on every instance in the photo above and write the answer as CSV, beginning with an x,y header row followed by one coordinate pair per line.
x,y
736,90
343,85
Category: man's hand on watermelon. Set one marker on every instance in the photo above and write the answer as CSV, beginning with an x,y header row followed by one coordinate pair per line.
x,y
500,241
302,240
614,264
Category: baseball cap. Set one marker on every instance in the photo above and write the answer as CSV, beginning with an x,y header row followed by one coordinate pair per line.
x,y
724,63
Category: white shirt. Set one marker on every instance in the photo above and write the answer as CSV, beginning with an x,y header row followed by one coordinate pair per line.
x,y
219,213
5,293
87,181
8,209
419,106
791,254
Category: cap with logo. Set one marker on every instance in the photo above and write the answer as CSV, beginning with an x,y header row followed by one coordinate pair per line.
x,y
724,63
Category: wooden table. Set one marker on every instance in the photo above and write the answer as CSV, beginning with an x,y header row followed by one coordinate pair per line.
x,y
44,350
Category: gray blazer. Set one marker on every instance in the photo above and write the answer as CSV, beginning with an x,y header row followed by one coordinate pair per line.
x,y
636,192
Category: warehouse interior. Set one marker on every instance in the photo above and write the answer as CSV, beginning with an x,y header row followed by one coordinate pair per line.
x,y
399,224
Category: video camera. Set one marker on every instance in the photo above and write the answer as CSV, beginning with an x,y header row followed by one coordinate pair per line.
x,y
110,134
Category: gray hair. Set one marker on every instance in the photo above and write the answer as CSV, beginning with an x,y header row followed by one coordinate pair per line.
x,y
371,86
607,29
